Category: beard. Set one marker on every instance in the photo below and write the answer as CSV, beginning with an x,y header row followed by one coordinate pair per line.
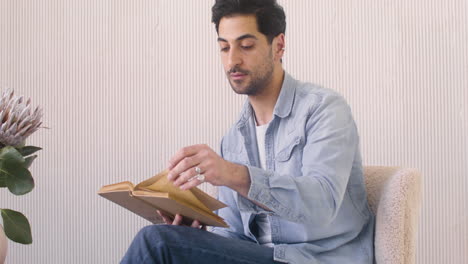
x,y
259,79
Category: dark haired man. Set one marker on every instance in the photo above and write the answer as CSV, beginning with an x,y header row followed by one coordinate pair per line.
x,y
290,168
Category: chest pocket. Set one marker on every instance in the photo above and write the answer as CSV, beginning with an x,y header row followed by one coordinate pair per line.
x,y
237,156
286,153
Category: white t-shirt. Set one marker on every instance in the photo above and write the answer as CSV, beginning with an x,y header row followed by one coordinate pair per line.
x,y
264,227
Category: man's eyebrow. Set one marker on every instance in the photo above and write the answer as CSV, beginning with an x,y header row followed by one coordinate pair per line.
x,y
246,36
239,38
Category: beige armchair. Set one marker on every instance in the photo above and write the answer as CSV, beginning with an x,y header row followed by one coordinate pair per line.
x,y
394,196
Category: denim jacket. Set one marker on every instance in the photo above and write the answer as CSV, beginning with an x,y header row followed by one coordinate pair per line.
x,y
313,182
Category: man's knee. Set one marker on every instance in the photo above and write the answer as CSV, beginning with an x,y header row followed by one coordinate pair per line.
x,y
160,233
150,233
148,246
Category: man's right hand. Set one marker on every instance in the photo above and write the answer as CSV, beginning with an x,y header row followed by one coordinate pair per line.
x,y
178,220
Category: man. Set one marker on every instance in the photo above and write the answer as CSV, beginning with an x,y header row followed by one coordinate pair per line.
x,y
290,169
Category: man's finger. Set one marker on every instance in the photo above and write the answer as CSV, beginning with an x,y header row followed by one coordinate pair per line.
x,y
190,184
183,167
186,176
160,213
177,220
181,154
165,218
195,224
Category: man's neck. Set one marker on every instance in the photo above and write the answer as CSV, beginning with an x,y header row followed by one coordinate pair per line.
x,y
264,104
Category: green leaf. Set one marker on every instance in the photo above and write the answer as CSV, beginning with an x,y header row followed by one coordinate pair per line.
x,y
28,150
10,155
3,177
29,160
19,180
16,226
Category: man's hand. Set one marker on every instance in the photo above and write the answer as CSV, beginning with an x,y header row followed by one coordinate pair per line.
x,y
217,171
178,219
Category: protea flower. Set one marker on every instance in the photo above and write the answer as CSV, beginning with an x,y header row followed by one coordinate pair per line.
x,y
17,122
17,119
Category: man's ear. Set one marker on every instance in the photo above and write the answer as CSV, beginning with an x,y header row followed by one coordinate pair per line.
x,y
279,46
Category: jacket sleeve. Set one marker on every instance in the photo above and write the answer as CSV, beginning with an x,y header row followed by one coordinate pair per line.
x,y
230,214
315,196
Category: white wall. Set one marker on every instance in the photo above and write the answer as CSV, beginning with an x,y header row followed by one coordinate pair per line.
x,y
124,84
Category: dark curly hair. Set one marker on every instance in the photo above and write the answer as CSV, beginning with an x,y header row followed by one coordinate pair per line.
x,y
271,20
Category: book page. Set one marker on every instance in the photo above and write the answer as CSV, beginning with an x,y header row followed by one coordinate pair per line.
x,y
121,186
210,202
186,197
152,180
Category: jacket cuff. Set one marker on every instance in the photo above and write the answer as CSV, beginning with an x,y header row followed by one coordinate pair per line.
x,y
258,192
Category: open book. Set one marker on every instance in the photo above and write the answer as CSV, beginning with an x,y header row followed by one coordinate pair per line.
x,y
158,193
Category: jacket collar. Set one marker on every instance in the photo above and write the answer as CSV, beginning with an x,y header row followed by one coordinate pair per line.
x,y
283,106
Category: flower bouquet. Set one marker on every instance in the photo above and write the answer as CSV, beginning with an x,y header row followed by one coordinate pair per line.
x,y
17,121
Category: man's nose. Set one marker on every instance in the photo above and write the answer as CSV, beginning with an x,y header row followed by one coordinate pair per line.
x,y
234,58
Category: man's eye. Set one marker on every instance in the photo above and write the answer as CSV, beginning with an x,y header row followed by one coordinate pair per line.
x,y
247,47
224,49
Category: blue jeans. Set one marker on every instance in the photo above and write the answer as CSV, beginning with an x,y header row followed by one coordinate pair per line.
x,y
181,245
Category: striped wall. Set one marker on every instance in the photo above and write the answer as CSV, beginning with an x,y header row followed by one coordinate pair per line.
x,y
124,84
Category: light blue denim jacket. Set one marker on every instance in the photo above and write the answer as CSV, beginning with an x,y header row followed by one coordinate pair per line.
x,y
313,182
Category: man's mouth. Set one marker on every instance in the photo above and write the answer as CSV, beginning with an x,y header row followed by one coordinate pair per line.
x,y
237,76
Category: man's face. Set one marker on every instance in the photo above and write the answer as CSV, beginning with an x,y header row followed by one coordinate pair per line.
x,y
246,54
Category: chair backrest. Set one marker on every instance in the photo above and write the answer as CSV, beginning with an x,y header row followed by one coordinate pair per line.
x,y
394,196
